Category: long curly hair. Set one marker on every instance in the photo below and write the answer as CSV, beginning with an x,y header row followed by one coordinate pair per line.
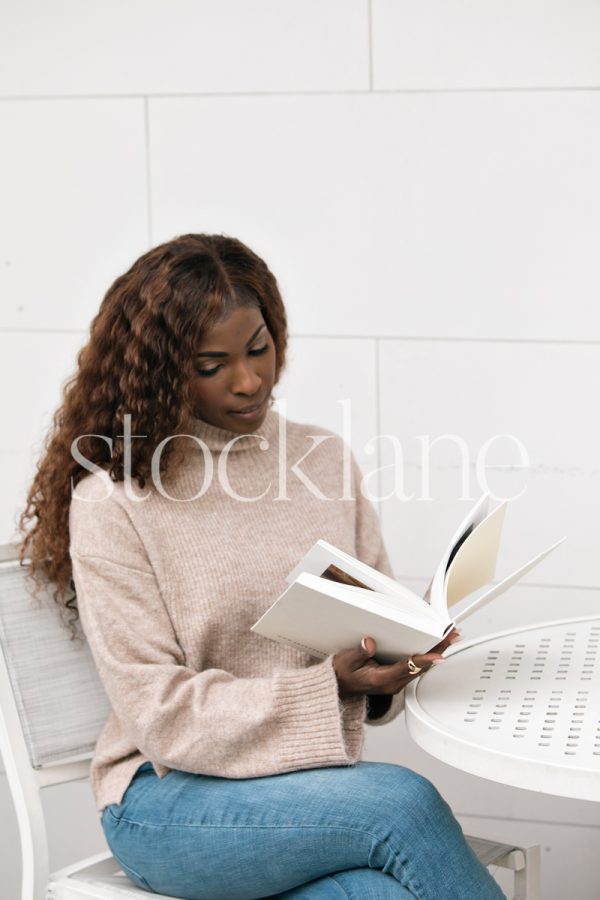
x,y
138,361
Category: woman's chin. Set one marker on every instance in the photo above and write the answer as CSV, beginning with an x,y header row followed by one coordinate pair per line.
x,y
248,422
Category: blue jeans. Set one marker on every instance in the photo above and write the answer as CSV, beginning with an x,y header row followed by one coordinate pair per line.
x,y
372,831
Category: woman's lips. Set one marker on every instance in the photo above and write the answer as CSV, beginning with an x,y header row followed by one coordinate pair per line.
x,y
251,413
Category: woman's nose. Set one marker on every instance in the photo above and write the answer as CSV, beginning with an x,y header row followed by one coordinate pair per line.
x,y
245,380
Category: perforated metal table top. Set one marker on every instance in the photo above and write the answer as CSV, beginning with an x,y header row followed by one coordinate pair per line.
x,y
519,707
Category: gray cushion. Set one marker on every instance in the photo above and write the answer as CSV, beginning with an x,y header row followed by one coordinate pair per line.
x,y
61,703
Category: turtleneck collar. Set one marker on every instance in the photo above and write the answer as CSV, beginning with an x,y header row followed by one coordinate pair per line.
x,y
216,438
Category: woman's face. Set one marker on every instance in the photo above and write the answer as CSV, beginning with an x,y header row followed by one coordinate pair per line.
x,y
235,370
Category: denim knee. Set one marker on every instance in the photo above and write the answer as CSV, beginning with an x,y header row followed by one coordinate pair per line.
x,y
423,796
412,794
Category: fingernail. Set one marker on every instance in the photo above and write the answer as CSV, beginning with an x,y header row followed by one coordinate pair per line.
x,y
436,662
363,644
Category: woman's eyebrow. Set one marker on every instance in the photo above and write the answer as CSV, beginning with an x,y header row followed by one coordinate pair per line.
x,y
216,353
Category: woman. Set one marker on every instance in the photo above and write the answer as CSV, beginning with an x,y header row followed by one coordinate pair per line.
x,y
170,505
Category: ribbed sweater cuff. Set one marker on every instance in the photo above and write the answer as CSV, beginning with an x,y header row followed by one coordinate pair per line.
x,y
317,730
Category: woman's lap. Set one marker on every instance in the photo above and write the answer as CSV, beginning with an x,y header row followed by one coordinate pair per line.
x,y
211,838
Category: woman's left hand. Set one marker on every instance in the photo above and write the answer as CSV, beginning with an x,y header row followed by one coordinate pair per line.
x,y
358,673
423,661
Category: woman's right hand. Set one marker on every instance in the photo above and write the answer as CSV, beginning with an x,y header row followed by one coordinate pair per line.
x,y
358,673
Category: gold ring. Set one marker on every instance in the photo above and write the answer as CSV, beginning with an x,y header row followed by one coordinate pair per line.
x,y
413,669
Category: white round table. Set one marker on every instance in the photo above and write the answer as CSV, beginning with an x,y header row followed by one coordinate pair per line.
x,y
519,707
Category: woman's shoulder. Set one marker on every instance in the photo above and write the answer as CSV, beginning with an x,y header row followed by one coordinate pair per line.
x,y
98,488
97,504
100,523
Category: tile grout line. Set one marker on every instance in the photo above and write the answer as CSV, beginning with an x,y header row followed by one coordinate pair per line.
x,y
370,29
442,340
81,331
576,342
557,89
148,175
378,426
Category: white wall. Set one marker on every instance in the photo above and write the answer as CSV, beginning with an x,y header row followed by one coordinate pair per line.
x,y
422,178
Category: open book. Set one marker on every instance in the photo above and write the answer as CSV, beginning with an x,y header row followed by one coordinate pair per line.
x,y
334,599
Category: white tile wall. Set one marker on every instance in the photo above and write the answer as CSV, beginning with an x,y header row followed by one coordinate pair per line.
x,y
33,368
178,46
464,44
331,382
74,207
540,394
438,215
432,218
526,605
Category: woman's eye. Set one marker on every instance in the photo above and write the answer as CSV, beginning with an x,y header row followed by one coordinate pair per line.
x,y
206,373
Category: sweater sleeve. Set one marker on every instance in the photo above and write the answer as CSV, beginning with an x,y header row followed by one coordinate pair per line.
x,y
208,722
370,549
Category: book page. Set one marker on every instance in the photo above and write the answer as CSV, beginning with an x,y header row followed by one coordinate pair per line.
x,y
437,592
474,563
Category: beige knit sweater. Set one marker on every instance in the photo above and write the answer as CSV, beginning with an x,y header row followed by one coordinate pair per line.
x,y
168,589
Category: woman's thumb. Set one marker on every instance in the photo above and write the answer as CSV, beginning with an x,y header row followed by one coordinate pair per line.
x,y
368,645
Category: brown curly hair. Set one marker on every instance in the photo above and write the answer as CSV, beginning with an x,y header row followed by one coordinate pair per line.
x,y
138,361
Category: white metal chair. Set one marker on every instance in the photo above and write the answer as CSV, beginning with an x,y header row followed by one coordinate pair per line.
x,y
52,708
